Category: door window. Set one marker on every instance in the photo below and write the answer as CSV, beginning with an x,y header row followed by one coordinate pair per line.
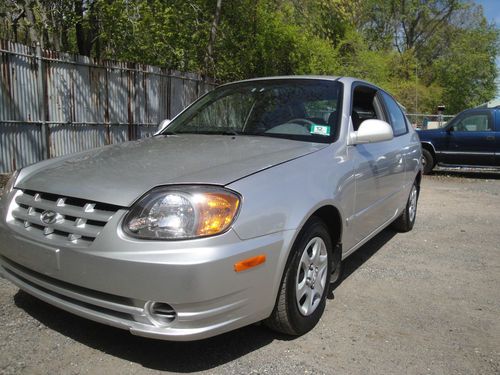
x,y
474,123
365,106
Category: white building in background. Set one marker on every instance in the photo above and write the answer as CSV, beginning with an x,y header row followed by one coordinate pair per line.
x,y
491,104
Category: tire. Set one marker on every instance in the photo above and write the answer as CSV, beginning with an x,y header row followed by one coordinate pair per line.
x,y
305,282
337,266
427,161
405,222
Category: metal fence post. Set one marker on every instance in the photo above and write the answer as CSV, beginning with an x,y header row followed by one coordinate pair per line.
x,y
42,100
169,96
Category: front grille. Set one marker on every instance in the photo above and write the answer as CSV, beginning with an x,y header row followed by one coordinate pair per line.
x,y
73,220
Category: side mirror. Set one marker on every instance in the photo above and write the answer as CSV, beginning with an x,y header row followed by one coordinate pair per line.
x,y
371,131
450,129
162,126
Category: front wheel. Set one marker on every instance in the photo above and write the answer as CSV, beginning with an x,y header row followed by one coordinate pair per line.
x,y
304,286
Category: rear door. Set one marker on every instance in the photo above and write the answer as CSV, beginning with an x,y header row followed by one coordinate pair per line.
x,y
470,140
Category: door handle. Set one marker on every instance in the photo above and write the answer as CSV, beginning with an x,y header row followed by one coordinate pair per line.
x,y
490,138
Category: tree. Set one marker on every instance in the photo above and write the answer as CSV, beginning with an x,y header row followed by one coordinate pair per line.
x,y
466,70
425,52
209,59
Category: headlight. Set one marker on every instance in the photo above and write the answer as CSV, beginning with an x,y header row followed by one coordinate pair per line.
x,y
180,212
10,183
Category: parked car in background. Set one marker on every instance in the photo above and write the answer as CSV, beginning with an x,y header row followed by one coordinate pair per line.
x,y
239,210
471,139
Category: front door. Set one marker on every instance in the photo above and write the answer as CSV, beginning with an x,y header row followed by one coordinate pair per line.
x,y
470,140
379,167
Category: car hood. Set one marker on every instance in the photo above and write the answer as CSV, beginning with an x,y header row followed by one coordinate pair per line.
x,y
119,174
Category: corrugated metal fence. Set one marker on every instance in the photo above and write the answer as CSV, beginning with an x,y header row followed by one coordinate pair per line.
x,y
54,103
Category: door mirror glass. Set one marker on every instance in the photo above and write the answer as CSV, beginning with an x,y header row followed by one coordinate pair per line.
x,y
371,131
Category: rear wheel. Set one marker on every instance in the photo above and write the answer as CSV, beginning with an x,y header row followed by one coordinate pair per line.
x,y
304,286
405,222
427,161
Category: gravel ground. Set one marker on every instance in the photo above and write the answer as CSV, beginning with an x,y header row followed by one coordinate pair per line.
x,y
423,302
3,180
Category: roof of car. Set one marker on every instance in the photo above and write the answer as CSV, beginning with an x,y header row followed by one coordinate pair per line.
x,y
319,77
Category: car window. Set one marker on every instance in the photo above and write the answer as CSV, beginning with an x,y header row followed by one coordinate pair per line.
x,y
365,106
227,112
396,116
320,110
300,109
474,123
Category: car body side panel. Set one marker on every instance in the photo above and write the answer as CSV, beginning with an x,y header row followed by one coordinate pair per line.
x,y
380,179
432,137
303,188
469,148
413,156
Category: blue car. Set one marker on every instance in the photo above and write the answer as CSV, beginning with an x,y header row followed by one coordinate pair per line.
x,y
471,139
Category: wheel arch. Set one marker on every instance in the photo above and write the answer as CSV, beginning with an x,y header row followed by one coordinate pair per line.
x,y
332,218
330,215
429,147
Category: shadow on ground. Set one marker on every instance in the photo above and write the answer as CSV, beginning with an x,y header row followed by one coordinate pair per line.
x,y
360,256
182,357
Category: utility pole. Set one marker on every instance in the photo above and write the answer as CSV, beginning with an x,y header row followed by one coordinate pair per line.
x,y
416,88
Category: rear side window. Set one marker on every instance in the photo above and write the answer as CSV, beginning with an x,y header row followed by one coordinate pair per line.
x,y
397,119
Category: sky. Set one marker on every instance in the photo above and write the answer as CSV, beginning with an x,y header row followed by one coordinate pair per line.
x,y
492,12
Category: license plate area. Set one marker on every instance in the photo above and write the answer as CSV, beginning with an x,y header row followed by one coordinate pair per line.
x,y
40,258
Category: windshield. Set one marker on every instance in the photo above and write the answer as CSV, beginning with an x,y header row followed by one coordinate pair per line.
x,y
296,109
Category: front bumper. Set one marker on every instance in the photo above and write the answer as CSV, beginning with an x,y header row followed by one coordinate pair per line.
x,y
113,280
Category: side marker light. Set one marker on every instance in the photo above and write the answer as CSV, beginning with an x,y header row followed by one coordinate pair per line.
x,y
249,263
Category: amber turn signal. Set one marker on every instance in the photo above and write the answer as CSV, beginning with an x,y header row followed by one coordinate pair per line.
x,y
249,263
217,211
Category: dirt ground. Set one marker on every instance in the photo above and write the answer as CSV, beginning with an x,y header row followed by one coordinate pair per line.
x,y
423,302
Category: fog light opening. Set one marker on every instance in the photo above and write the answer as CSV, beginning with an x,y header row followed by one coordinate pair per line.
x,y
160,313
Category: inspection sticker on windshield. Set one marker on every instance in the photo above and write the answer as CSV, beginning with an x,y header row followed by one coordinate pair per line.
x,y
320,129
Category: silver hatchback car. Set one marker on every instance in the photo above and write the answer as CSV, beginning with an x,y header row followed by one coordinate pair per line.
x,y
240,210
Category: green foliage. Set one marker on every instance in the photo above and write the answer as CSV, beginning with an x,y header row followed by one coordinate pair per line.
x,y
466,70
424,52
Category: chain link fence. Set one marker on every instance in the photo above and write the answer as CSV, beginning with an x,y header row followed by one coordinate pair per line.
x,y
427,121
